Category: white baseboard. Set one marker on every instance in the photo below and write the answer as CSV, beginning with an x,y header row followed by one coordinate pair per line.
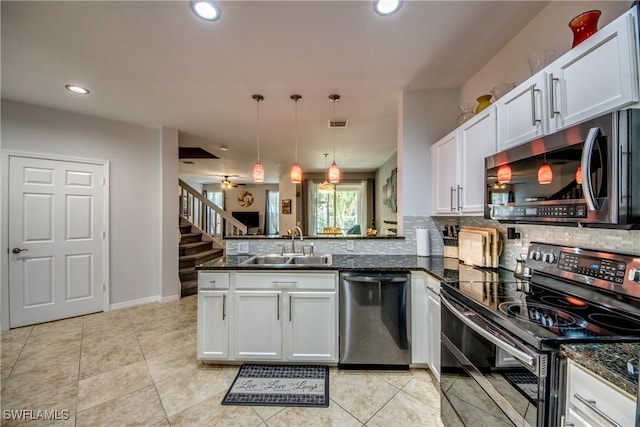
x,y
133,303
171,298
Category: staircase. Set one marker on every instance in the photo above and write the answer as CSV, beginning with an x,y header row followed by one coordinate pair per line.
x,y
195,248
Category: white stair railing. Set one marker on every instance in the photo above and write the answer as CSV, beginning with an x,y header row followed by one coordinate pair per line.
x,y
207,216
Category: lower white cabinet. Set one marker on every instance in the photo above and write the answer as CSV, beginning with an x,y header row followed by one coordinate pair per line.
x,y
420,328
266,316
433,313
592,401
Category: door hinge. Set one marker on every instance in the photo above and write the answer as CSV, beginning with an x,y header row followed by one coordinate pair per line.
x,y
104,234
104,181
104,287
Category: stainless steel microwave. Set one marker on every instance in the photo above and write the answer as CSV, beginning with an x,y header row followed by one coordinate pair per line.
x,y
588,174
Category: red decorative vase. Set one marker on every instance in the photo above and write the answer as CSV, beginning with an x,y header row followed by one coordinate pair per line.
x,y
584,26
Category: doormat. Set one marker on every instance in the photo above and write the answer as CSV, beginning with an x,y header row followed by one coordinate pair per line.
x,y
280,385
526,383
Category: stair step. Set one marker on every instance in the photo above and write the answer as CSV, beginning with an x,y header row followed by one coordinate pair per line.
x,y
189,288
190,237
194,248
185,229
187,274
199,258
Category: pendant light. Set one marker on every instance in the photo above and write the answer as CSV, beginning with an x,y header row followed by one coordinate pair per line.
x,y
326,187
545,174
504,174
296,170
258,170
579,175
334,170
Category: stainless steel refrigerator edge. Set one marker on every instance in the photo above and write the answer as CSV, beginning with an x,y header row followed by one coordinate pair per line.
x,y
375,326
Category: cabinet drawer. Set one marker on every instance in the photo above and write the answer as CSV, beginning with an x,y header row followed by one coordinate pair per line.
x,y
213,280
264,280
607,398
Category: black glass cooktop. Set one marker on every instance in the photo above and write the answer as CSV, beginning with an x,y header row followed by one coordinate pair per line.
x,y
540,315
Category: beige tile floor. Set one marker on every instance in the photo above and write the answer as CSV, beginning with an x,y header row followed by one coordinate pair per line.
x,y
138,367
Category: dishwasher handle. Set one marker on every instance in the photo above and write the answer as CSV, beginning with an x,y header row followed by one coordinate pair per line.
x,y
375,279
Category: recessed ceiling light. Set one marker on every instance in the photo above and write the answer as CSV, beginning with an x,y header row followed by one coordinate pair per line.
x,y
77,89
386,7
224,148
206,9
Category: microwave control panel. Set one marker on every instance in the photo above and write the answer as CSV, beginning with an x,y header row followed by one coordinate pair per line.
x,y
555,211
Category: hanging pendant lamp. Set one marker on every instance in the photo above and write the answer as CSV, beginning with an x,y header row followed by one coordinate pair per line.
x,y
334,170
296,170
545,174
326,187
504,174
258,169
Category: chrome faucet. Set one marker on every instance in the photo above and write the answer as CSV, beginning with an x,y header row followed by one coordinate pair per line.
x,y
293,238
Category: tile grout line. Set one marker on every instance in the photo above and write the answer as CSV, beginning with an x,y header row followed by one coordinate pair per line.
x,y
19,354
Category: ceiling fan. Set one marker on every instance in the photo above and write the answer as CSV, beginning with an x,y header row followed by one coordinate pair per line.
x,y
226,184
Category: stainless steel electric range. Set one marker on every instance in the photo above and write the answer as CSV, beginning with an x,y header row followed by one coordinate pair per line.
x,y
501,337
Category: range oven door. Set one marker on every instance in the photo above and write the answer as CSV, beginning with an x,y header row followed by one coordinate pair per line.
x,y
488,377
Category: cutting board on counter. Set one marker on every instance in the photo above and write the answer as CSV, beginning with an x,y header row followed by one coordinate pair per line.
x,y
494,247
471,248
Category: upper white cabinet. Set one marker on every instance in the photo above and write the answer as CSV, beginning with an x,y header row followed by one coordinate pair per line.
x,y
597,76
521,113
457,163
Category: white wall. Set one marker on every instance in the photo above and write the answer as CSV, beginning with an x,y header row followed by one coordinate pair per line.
x,y
424,117
169,206
289,191
384,213
134,154
548,30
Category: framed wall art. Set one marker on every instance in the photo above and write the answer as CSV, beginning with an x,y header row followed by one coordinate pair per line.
x,y
286,206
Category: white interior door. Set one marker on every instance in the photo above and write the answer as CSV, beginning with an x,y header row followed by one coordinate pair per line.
x,y
56,239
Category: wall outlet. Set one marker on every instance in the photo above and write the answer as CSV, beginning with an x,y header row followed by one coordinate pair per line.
x,y
243,247
351,246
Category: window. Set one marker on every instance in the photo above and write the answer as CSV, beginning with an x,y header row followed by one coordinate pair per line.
x,y
217,198
273,213
344,208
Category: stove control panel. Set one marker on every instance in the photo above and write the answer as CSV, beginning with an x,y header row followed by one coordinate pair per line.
x,y
601,268
615,272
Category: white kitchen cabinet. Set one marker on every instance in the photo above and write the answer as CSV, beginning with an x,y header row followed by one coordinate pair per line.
x,y
590,400
213,325
257,325
457,163
311,327
597,76
268,316
521,113
433,312
444,160
420,328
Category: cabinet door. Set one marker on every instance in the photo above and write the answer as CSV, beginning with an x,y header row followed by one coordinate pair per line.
x,y
420,329
521,114
257,325
595,77
477,140
312,331
434,322
213,325
444,158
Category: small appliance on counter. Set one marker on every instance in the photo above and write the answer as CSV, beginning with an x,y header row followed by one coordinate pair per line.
x,y
450,238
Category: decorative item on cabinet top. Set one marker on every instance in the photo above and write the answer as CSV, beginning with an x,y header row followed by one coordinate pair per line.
x,y
584,26
500,90
539,60
466,112
483,102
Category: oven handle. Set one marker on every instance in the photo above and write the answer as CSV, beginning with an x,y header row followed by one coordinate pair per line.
x,y
518,354
585,163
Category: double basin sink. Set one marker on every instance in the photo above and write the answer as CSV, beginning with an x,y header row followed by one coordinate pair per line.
x,y
287,260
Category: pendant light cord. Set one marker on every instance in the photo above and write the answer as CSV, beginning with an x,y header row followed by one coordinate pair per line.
x,y
258,105
334,130
295,151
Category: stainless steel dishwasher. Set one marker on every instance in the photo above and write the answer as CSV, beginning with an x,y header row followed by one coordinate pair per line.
x,y
375,318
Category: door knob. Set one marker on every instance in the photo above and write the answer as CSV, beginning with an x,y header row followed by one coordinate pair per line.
x,y
18,250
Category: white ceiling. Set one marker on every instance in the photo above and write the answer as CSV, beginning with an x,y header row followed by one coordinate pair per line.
x,y
154,63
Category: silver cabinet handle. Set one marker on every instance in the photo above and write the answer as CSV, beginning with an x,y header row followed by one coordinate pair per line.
x,y
534,120
451,199
458,198
280,283
278,307
213,282
224,304
18,250
552,97
591,404
289,308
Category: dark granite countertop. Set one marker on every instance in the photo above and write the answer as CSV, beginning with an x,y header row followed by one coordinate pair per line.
x,y
608,360
340,236
434,265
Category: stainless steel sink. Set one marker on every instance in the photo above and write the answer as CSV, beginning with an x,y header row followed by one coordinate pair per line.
x,y
287,260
